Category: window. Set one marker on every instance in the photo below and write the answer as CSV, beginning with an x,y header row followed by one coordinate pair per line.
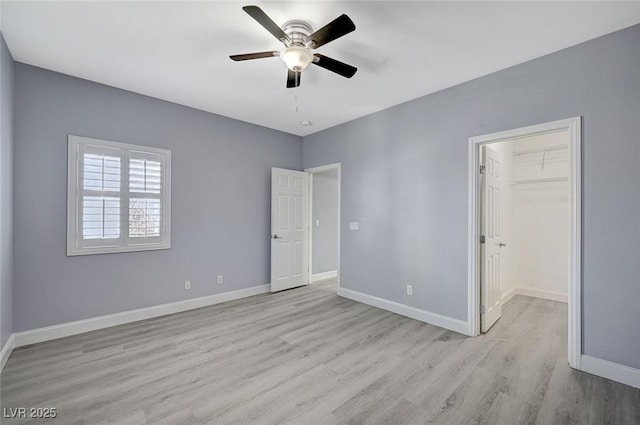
x,y
119,197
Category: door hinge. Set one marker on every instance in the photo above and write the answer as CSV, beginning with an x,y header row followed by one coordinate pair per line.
x,y
483,309
482,239
482,169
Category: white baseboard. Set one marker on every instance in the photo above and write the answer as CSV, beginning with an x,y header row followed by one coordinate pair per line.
x,y
405,310
6,351
101,322
610,370
534,292
509,294
541,293
324,275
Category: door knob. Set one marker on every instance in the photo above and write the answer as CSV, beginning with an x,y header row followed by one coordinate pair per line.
x,y
277,237
502,244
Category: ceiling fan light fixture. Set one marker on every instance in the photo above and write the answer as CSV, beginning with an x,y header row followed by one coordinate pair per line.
x,y
297,58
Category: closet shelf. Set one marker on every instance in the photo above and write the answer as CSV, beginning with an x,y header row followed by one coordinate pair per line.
x,y
543,180
541,150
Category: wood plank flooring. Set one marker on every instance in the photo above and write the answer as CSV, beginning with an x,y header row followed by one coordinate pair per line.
x,y
308,357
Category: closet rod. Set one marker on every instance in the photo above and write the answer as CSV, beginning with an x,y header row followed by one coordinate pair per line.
x,y
547,180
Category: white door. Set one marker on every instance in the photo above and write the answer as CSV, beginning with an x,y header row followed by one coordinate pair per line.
x,y
289,229
490,293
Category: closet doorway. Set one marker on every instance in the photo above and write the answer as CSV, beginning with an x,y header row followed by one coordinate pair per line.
x,y
524,222
324,225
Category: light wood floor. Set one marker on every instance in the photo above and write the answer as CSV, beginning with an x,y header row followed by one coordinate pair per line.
x,y
308,357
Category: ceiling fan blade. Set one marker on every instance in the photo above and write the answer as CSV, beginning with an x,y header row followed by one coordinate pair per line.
x,y
258,14
258,55
340,26
333,65
293,78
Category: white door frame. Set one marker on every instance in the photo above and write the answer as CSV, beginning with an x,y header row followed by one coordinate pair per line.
x,y
312,171
573,126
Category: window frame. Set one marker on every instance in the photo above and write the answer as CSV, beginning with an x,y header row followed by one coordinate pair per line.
x,y
75,190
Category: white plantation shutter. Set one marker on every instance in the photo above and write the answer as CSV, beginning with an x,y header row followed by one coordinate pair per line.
x,y
100,197
145,188
119,197
145,174
100,217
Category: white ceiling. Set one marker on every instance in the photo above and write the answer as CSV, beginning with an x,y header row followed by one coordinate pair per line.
x,y
178,51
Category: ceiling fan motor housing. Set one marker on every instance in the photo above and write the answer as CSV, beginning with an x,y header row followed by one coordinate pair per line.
x,y
298,31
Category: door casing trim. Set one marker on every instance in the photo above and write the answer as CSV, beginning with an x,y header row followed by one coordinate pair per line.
x,y
574,128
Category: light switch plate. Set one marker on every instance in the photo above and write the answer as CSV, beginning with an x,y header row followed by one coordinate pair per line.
x,y
354,225
317,222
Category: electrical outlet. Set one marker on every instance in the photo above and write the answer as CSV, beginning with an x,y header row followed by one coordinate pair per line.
x,y
219,279
187,285
409,290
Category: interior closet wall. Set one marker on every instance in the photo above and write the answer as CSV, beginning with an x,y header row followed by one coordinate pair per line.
x,y
536,217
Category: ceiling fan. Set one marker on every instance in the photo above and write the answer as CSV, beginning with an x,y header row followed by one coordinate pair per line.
x,y
298,39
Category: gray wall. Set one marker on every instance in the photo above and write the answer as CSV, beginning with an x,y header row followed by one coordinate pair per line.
x,y
404,178
220,200
6,192
325,209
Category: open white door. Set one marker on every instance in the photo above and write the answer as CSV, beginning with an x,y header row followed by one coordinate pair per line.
x,y
490,293
289,229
